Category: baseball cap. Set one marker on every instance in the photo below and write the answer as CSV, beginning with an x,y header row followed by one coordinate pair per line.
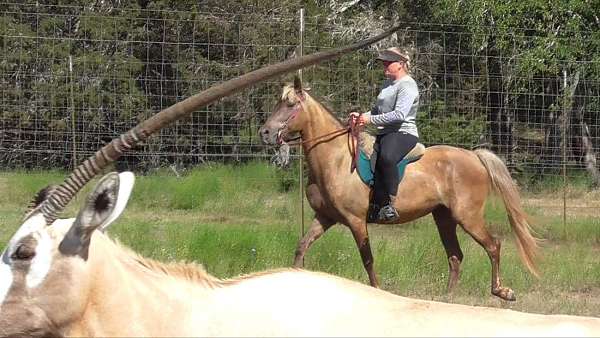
x,y
393,54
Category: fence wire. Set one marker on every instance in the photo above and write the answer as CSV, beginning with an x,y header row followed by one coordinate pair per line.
x,y
72,78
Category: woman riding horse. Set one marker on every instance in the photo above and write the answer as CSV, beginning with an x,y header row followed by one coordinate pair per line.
x,y
452,184
394,116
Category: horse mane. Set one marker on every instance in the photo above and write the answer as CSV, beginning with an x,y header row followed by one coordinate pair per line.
x,y
289,95
366,140
190,271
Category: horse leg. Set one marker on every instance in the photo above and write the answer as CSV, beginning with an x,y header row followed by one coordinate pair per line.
x,y
361,236
476,228
446,225
317,228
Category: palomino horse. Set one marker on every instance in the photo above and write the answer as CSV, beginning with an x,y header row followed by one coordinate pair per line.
x,y
451,183
70,280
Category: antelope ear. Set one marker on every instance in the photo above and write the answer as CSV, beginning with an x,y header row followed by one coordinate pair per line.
x,y
101,208
40,197
126,181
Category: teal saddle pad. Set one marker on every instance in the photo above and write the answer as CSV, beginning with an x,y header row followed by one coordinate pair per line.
x,y
365,171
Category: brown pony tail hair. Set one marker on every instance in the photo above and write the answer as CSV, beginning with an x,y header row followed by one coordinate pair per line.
x,y
502,183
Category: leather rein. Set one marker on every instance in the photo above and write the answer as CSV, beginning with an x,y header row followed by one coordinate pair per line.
x,y
352,130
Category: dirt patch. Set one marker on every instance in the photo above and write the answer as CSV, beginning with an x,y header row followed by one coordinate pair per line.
x,y
585,302
554,206
188,217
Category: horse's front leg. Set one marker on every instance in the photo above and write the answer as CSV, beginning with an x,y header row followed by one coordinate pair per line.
x,y
319,225
361,236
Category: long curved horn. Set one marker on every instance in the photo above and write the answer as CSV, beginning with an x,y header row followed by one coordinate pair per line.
x,y
112,151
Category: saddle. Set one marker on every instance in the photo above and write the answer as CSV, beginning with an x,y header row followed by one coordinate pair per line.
x,y
366,163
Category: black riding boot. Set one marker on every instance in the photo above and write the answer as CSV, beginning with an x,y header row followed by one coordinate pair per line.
x,y
389,213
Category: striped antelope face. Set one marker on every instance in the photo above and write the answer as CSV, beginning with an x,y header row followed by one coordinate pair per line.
x,y
44,270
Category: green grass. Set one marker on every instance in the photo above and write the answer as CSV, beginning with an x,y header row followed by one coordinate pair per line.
x,y
553,181
257,191
240,219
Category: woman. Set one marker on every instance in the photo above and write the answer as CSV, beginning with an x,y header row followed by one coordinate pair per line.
x,y
393,117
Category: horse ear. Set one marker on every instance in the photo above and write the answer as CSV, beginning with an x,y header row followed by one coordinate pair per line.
x,y
297,84
298,87
101,208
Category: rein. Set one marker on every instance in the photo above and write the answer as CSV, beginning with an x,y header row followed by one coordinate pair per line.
x,y
353,137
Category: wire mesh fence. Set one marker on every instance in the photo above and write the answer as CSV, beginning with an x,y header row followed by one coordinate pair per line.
x,y
74,80
74,77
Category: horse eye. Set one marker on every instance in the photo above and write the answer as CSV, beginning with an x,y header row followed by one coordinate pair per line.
x,y
23,252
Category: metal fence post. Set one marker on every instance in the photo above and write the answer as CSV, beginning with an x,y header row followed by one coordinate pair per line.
x,y
74,134
566,104
301,154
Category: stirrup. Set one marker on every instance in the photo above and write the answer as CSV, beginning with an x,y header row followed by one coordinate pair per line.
x,y
373,213
388,214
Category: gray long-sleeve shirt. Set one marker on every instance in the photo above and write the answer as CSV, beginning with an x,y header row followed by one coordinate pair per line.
x,y
396,107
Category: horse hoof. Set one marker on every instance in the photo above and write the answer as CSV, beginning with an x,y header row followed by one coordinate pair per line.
x,y
505,293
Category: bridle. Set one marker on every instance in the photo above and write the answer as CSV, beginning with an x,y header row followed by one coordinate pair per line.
x,y
352,130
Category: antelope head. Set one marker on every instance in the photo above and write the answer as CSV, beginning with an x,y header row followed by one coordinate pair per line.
x,y
45,278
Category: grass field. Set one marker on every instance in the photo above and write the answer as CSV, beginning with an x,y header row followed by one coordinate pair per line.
x,y
240,219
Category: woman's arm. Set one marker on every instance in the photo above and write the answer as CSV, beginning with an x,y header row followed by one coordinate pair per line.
x,y
405,98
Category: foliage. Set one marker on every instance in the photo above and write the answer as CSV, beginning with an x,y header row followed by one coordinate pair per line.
x,y
487,69
462,130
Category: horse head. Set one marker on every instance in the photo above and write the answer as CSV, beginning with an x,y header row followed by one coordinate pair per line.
x,y
45,276
286,119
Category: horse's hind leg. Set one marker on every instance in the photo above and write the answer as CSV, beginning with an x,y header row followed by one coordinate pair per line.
x,y
446,225
317,228
475,227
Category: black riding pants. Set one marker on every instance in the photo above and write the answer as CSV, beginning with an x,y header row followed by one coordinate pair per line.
x,y
392,148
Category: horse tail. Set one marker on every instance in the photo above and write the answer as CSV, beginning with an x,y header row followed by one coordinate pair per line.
x,y
502,183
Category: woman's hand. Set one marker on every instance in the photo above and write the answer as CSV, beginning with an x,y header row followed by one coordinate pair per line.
x,y
364,119
361,119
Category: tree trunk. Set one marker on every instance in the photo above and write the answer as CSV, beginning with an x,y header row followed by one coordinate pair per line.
x,y
590,156
567,107
499,117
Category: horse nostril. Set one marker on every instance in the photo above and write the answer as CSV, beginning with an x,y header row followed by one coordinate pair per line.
x,y
263,132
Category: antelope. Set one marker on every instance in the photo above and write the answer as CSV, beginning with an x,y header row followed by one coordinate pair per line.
x,y
71,279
